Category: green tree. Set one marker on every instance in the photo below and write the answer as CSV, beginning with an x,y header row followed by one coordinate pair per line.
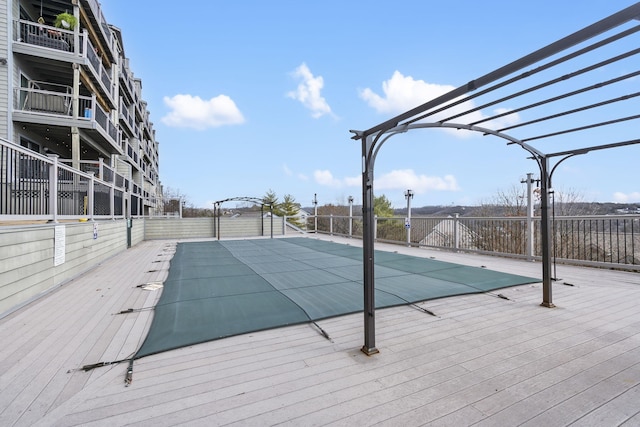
x,y
388,228
382,207
290,209
270,199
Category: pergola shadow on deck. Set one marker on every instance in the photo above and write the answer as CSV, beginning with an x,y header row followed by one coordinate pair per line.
x,y
596,61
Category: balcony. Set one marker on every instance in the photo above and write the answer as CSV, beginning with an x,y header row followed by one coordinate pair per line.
x,y
132,150
100,75
127,87
51,43
127,118
45,98
52,104
104,33
54,40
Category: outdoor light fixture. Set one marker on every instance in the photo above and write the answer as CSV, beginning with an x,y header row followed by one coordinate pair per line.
x,y
407,222
315,211
350,215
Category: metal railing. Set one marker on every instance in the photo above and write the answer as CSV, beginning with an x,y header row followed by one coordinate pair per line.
x,y
37,187
42,35
99,70
126,76
611,241
36,34
96,10
40,101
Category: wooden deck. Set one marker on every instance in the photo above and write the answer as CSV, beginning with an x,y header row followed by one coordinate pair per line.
x,y
483,360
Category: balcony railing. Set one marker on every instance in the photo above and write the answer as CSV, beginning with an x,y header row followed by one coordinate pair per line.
x,y
127,78
58,39
57,103
128,117
602,241
96,11
99,70
37,34
43,101
37,187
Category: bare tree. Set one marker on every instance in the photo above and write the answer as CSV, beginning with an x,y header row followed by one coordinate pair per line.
x,y
172,199
509,202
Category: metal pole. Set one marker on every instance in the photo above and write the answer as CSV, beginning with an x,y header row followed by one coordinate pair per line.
x,y
409,195
92,194
529,249
368,220
545,228
456,231
53,187
219,214
315,212
350,216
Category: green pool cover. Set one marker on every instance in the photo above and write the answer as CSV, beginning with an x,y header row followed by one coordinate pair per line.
x,y
218,289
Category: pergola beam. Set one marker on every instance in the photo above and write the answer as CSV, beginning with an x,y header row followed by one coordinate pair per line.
x,y
372,138
254,200
630,13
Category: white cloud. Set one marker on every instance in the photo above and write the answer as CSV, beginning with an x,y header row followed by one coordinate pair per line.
x,y
308,91
402,93
194,112
325,177
395,180
402,179
501,122
620,197
286,170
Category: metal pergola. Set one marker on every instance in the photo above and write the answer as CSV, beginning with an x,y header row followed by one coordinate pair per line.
x,y
254,200
583,77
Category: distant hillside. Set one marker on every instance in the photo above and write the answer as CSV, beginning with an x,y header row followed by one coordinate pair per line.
x,y
487,210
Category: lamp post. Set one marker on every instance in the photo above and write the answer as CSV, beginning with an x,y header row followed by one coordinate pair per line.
x,y
530,241
350,215
407,223
216,217
315,212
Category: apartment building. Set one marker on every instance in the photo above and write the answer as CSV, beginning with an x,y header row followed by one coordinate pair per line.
x,y
67,92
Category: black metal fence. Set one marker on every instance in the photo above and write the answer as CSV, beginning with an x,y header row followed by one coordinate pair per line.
x,y
37,187
603,241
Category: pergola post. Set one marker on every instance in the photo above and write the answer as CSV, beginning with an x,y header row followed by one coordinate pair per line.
x,y
458,109
368,219
545,229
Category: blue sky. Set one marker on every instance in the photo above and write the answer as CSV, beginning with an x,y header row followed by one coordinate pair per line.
x,y
251,96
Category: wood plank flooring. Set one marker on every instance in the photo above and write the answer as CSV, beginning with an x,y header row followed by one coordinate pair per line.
x,y
482,360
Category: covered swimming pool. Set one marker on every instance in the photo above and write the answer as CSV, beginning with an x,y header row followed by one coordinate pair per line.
x,y
217,289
